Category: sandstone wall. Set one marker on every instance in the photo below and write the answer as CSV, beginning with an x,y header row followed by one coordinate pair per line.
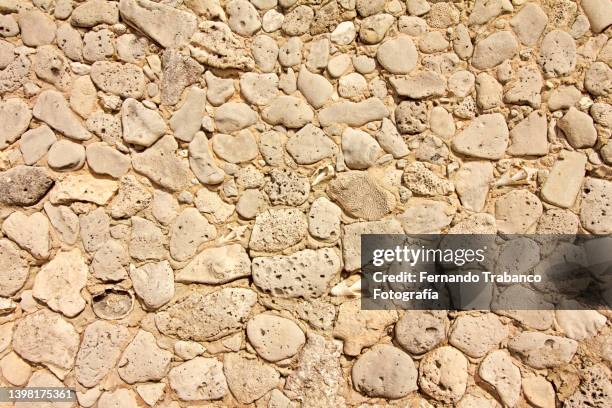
x,y
184,182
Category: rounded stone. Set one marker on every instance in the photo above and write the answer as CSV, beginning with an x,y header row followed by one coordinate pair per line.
x,y
274,338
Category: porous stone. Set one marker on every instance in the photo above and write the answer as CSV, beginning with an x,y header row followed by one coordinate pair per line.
x,y
557,53
95,12
286,188
277,229
16,116
24,185
274,338
14,268
189,230
306,274
215,44
594,214
539,350
443,374
125,80
420,180
421,331
198,379
99,351
361,195
132,198
423,84
385,371
517,212
178,72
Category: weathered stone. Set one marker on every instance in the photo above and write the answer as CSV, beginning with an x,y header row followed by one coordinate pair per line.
x,y
35,143
411,117
95,12
168,26
397,55
14,269
529,24
23,185
265,48
198,379
16,116
477,335
420,180
385,371
374,28
53,109
179,71
598,12
110,261
146,240
288,111
422,84
354,114
99,351
125,80
189,230
201,317
132,198
360,328
486,137
517,212
201,162
539,350
235,149
529,137
59,283
36,27
215,45
423,216
557,54
594,213
565,179
538,391
359,149
274,338
318,378
501,373
443,374
277,229
494,50
143,360
305,274
121,397
248,379
422,330
577,322
162,166
316,89
30,232
216,266
65,155
390,140
80,187
361,195
141,126
242,17
31,341
209,202
153,284
259,89
310,145
103,159
95,229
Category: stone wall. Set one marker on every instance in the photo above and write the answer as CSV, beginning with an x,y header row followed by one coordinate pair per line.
x,y
184,182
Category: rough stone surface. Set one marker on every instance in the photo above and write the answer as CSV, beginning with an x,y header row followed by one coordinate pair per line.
x,y
184,185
